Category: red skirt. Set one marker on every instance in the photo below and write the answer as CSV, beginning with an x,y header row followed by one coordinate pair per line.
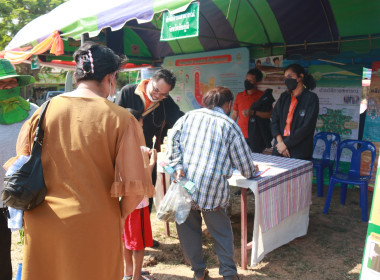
x,y
137,234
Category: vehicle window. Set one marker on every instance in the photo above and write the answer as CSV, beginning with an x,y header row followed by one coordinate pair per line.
x,y
51,94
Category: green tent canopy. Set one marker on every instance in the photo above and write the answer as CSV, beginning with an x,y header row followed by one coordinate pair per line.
x,y
266,27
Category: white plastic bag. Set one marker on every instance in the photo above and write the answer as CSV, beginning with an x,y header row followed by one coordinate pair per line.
x,y
176,205
16,215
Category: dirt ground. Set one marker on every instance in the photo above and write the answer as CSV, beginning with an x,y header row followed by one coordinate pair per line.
x,y
332,249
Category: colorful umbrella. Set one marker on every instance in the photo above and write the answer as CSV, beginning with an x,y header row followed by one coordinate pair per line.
x,y
77,17
266,27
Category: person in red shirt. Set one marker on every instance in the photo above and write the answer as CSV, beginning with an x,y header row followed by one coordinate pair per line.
x,y
245,99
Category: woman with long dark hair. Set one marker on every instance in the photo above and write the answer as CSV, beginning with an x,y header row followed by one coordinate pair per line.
x,y
295,115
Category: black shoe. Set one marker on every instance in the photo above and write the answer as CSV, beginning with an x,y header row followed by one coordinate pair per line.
x,y
155,244
238,192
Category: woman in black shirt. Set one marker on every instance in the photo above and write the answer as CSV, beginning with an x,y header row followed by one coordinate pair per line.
x,y
295,115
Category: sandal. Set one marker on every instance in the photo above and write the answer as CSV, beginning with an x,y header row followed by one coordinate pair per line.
x,y
205,275
144,277
145,272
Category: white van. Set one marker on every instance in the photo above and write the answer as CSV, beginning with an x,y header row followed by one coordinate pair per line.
x,y
49,95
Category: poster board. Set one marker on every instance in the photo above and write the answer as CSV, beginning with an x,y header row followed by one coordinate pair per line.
x,y
199,72
274,61
273,78
372,119
339,90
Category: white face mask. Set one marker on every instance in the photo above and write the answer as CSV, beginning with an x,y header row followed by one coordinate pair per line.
x,y
150,97
110,98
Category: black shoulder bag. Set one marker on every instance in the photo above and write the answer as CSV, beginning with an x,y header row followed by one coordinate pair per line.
x,y
25,189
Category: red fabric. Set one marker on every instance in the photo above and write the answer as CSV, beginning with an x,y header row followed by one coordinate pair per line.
x,y
53,42
57,46
289,118
244,101
136,232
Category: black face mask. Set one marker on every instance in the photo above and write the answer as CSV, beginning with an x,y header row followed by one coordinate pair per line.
x,y
291,84
248,85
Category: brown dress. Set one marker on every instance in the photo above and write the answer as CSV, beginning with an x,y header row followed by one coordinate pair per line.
x,y
91,156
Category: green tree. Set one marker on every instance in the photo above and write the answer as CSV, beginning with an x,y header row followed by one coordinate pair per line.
x,y
15,14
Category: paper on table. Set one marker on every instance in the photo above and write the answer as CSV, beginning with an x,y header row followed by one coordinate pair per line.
x,y
257,174
261,172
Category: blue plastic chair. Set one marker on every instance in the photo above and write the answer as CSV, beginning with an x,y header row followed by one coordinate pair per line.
x,y
328,157
357,147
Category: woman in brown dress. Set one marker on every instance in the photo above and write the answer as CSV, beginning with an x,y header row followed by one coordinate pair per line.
x,y
91,156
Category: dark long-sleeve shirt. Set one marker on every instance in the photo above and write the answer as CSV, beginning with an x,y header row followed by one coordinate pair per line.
x,y
259,129
300,140
167,111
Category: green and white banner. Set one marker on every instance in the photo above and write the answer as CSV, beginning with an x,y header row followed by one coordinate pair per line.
x,y
181,25
340,92
371,257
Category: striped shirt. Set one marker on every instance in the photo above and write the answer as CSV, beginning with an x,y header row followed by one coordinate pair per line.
x,y
206,144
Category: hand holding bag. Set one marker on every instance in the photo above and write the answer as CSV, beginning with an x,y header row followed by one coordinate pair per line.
x,y
176,205
25,189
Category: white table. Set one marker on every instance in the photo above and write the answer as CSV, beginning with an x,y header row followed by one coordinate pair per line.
x,y
282,202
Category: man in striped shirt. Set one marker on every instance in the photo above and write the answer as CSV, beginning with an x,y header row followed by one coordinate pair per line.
x,y
204,146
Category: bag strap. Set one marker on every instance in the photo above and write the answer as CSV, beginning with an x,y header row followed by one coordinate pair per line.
x,y
39,131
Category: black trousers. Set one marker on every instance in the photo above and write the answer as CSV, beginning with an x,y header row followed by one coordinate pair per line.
x,y
5,248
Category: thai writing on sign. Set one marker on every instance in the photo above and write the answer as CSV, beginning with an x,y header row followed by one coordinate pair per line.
x,y
182,25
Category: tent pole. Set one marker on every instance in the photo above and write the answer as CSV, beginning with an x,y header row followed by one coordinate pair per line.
x,y
69,81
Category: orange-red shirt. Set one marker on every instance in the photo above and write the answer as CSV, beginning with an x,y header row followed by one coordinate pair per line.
x,y
289,118
244,101
141,87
